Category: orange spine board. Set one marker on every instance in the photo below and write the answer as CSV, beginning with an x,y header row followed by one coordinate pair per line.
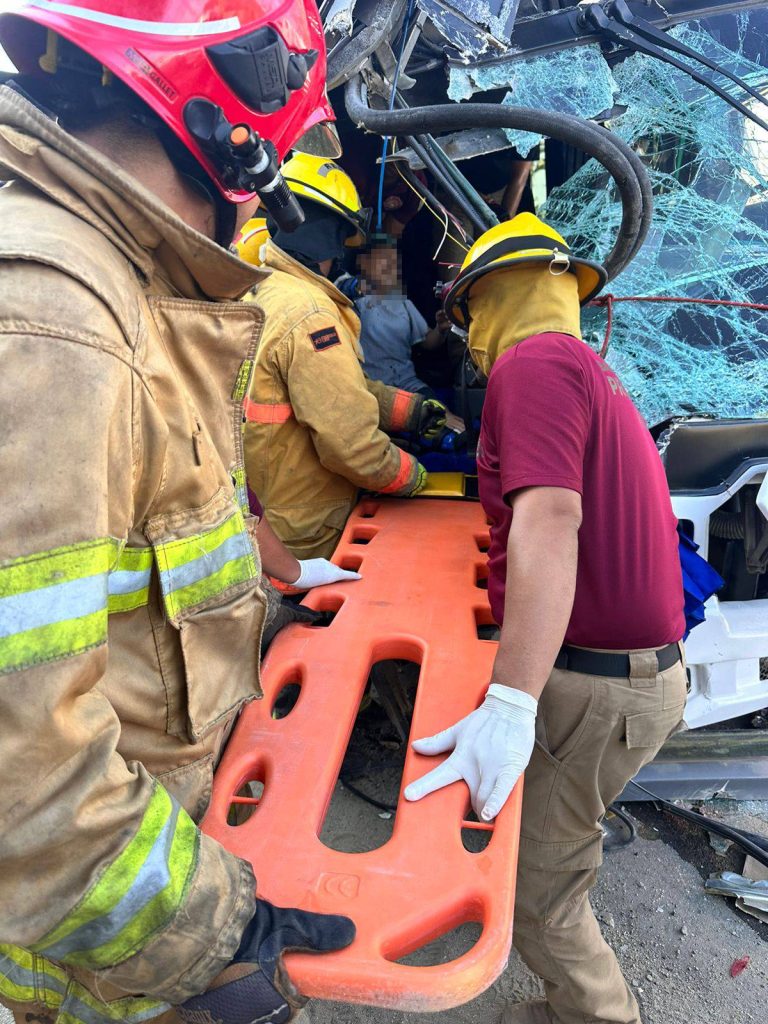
x,y
421,599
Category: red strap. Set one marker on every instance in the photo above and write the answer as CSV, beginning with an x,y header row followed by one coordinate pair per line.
x,y
608,300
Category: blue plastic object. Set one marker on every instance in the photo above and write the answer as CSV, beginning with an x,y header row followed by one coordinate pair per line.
x,y
700,582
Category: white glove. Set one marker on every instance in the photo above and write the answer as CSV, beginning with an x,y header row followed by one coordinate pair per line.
x,y
491,749
317,571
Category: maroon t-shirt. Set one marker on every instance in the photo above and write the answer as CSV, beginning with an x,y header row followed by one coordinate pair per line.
x,y
556,415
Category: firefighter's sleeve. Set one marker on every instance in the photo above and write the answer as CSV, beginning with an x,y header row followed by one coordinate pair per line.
x,y
100,868
330,397
398,410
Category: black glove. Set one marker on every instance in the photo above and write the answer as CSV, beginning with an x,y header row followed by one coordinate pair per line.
x,y
283,614
431,419
254,988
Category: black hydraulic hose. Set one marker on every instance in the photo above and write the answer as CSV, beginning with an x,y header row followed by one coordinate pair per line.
x,y
621,162
487,217
438,154
439,174
743,839
638,195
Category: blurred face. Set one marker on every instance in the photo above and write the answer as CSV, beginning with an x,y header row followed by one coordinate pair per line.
x,y
381,269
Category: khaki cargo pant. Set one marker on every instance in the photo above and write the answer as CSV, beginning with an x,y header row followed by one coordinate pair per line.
x,y
592,735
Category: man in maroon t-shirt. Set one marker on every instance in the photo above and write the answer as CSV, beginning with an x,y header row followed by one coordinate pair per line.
x,y
585,581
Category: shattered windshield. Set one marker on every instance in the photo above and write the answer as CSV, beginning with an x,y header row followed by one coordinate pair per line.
x,y
709,239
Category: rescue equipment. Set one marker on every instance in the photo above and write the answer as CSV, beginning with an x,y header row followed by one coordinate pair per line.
x,y
246,164
420,598
523,241
323,182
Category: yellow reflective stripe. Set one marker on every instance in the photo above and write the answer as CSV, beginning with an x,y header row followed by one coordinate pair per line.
x,y
128,602
53,603
81,1007
243,381
235,571
178,553
137,894
129,580
57,566
27,977
196,568
134,559
50,643
241,489
159,910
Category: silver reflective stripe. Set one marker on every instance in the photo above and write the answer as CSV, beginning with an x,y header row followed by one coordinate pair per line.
x,y
237,546
59,603
154,875
128,581
152,28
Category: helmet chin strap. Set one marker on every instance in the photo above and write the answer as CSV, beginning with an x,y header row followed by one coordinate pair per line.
x,y
226,220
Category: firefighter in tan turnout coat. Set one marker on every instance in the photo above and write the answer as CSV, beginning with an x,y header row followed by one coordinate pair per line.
x,y
315,424
130,604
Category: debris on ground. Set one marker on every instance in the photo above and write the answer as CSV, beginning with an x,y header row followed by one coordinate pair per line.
x,y
750,889
738,966
749,895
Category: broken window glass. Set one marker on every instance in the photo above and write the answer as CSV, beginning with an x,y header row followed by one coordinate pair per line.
x,y
576,81
709,238
474,27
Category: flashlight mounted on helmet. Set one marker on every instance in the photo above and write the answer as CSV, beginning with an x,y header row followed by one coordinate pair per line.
x,y
246,163
258,172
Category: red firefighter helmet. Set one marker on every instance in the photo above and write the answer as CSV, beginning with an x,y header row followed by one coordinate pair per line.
x,y
201,65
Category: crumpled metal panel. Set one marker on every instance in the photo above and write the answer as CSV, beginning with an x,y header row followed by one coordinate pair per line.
x,y
475,27
339,17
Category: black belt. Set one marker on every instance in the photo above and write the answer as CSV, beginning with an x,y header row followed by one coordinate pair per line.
x,y
599,663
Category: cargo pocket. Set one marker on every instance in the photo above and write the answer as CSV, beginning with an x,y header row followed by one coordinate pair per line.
x,y
209,578
650,730
559,810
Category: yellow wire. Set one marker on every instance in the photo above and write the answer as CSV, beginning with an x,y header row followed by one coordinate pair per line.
x,y
424,202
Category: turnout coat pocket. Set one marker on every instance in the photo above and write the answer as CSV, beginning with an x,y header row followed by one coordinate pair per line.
x,y
209,575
